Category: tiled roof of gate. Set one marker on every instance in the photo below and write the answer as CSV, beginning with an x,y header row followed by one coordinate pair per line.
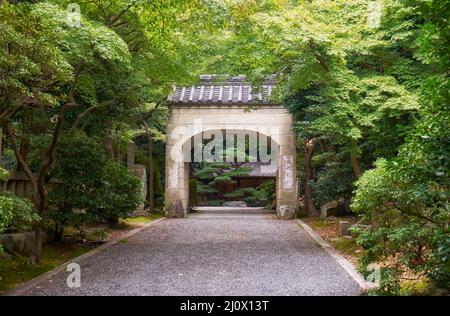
x,y
233,91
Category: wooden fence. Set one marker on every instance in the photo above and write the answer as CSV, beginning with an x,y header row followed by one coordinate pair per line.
x,y
18,184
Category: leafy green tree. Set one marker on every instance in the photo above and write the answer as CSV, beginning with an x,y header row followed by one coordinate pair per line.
x,y
411,191
340,78
263,195
55,78
120,194
44,71
212,174
79,174
333,181
16,214
90,186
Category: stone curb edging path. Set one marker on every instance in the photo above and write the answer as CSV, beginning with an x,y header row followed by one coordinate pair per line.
x,y
21,289
344,263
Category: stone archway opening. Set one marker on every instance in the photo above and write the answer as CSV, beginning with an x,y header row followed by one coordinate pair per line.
x,y
232,168
212,111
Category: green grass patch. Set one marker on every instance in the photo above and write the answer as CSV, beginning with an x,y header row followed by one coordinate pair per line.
x,y
215,202
422,287
18,269
347,246
322,223
141,219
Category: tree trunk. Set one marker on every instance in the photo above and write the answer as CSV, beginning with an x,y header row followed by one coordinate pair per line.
x,y
113,221
309,147
322,146
151,171
38,243
109,147
1,143
24,149
41,202
151,176
373,219
107,141
59,230
40,193
355,165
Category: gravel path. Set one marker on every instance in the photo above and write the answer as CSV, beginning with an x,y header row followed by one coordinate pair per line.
x,y
211,253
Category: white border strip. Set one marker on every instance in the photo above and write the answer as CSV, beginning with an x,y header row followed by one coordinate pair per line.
x,y
21,289
344,263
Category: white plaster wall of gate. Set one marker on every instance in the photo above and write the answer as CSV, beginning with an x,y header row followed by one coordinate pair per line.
x,y
187,119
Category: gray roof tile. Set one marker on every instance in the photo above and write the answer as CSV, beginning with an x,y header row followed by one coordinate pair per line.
x,y
233,91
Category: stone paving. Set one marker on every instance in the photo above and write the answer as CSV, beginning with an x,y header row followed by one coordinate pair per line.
x,y
212,252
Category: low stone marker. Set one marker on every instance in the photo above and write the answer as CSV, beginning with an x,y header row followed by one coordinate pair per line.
x,y
286,211
325,208
343,228
140,172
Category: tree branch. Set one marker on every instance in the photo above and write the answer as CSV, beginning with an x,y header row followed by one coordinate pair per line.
x,y
55,139
73,85
320,59
8,113
21,160
81,116
114,19
413,214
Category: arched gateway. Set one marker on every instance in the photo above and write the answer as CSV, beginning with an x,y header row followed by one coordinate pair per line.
x,y
229,107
